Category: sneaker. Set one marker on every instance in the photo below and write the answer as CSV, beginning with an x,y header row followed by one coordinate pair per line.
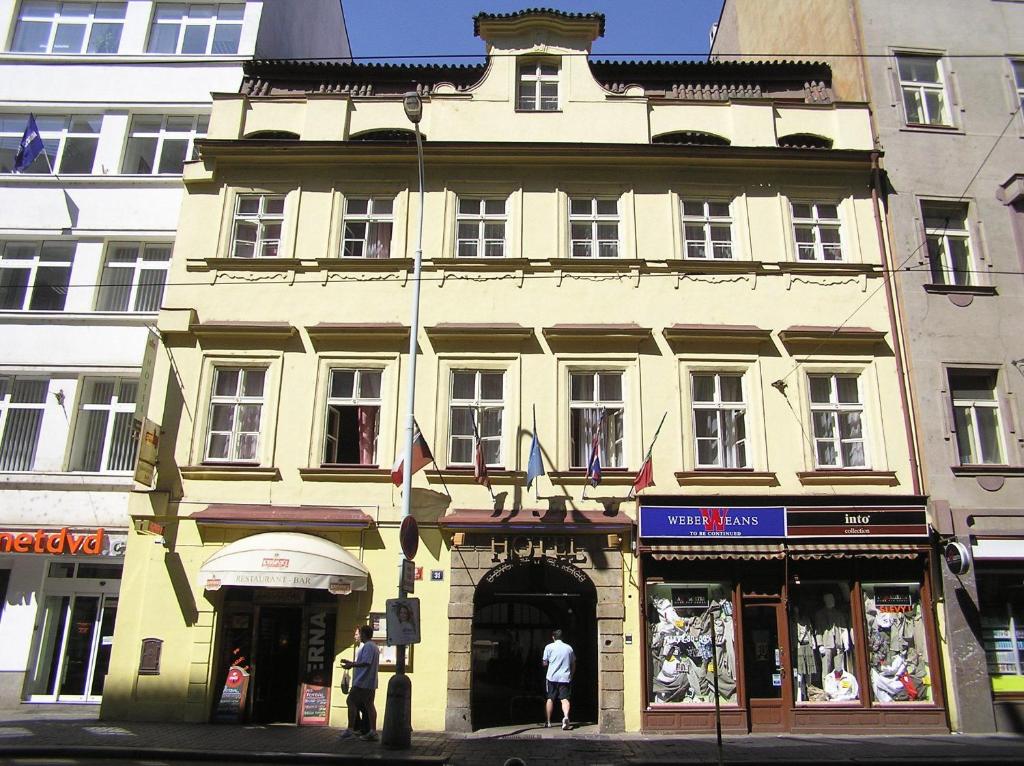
x,y
370,736
347,734
565,724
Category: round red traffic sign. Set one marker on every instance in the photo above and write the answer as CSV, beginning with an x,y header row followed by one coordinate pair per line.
x,y
409,537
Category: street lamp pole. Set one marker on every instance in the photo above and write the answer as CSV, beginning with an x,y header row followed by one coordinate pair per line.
x,y
397,731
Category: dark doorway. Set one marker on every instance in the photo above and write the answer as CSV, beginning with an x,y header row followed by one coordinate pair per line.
x,y
276,664
513,617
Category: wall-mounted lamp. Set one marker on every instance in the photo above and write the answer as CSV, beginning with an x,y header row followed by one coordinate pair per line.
x,y
613,540
458,539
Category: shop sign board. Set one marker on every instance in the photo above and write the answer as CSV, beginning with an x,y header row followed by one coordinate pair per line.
x,y
231,706
94,542
314,705
958,558
403,621
857,522
671,521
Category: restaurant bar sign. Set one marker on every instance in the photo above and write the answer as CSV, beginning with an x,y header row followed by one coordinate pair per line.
x,y
713,521
857,522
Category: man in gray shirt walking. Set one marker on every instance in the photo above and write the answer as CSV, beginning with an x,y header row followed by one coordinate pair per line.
x,y
560,661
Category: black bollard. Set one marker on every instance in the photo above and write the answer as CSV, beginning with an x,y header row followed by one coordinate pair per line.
x,y
397,732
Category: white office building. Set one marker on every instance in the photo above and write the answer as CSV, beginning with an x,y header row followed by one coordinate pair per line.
x,y
120,92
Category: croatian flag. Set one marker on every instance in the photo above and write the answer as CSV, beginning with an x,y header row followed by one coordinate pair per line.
x,y
31,146
594,462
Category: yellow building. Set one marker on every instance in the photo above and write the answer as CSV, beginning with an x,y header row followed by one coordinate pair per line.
x,y
610,248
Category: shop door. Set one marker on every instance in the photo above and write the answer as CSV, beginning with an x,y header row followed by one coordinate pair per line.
x,y
276,664
74,648
764,673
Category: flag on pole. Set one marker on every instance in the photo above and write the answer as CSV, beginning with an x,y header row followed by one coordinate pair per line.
x,y
645,476
535,465
421,456
31,146
594,461
479,461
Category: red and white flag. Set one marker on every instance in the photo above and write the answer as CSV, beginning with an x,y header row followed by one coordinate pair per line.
x,y
479,461
420,457
645,476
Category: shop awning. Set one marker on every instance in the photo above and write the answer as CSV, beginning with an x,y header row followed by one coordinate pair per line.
x,y
284,560
694,552
855,550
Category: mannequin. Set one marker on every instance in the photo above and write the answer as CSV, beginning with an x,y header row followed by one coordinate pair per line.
x,y
831,634
840,685
806,660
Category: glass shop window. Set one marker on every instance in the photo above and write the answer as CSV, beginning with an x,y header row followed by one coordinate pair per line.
x,y
1002,626
897,647
822,641
681,618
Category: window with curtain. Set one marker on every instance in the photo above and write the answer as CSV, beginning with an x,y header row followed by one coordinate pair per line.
x,y
34,276
105,439
477,397
596,407
594,227
837,418
949,243
481,228
353,417
259,219
719,420
134,276
236,413
979,431
196,29
816,228
368,227
707,229
22,401
924,90
46,26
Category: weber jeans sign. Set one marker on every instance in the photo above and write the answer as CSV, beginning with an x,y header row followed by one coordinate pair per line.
x,y
712,521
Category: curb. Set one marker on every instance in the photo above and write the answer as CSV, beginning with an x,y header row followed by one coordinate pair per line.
x,y
215,756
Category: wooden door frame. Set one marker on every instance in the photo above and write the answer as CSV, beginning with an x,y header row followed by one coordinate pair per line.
x,y
778,604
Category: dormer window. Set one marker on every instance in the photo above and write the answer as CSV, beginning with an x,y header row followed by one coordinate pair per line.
x,y
538,86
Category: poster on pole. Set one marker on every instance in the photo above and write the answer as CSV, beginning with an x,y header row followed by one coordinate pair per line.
x,y
403,619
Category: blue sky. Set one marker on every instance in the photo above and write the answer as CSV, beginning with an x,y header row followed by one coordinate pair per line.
x,y
437,27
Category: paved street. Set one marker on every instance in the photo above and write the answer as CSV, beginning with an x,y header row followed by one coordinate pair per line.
x,y
72,735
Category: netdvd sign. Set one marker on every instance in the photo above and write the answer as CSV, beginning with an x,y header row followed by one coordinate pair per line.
x,y
61,541
712,521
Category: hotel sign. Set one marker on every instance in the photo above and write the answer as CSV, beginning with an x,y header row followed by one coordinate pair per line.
x,y
712,521
857,522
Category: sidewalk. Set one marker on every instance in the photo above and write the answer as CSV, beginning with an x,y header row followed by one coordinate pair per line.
x,y
74,732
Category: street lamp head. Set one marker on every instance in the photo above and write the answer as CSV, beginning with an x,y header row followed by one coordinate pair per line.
x,y
413,105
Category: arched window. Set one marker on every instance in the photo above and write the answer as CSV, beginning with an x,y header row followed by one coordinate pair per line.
x,y
690,138
386,134
275,135
804,141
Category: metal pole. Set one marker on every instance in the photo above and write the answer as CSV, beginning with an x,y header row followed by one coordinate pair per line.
x,y
718,703
397,731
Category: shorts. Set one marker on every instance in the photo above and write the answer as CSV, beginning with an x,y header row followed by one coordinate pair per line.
x,y
558,691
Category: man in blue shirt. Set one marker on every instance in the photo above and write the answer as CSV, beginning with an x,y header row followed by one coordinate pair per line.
x,y
364,688
560,661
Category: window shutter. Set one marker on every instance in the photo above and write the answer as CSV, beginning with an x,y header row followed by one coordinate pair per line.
x,y
894,85
949,430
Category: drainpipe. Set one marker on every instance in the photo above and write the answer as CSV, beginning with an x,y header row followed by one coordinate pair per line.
x,y
887,264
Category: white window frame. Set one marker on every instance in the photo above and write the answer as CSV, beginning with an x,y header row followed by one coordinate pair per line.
x,y
834,408
34,265
726,452
535,80
132,271
709,246
921,89
184,21
370,218
55,140
817,223
236,401
57,18
118,404
599,403
970,407
200,124
595,219
478,405
938,241
481,219
356,400
261,219
6,406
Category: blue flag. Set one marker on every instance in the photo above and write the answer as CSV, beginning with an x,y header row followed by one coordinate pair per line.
x,y
535,467
594,461
31,146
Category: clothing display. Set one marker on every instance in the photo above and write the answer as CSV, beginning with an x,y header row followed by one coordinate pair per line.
x,y
841,686
684,656
896,643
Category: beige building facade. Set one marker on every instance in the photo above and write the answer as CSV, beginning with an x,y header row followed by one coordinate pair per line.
x,y
611,250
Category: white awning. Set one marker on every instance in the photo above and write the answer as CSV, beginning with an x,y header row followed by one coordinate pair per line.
x,y
284,560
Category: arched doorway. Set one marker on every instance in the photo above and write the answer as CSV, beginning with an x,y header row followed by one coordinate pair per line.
x,y
515,608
